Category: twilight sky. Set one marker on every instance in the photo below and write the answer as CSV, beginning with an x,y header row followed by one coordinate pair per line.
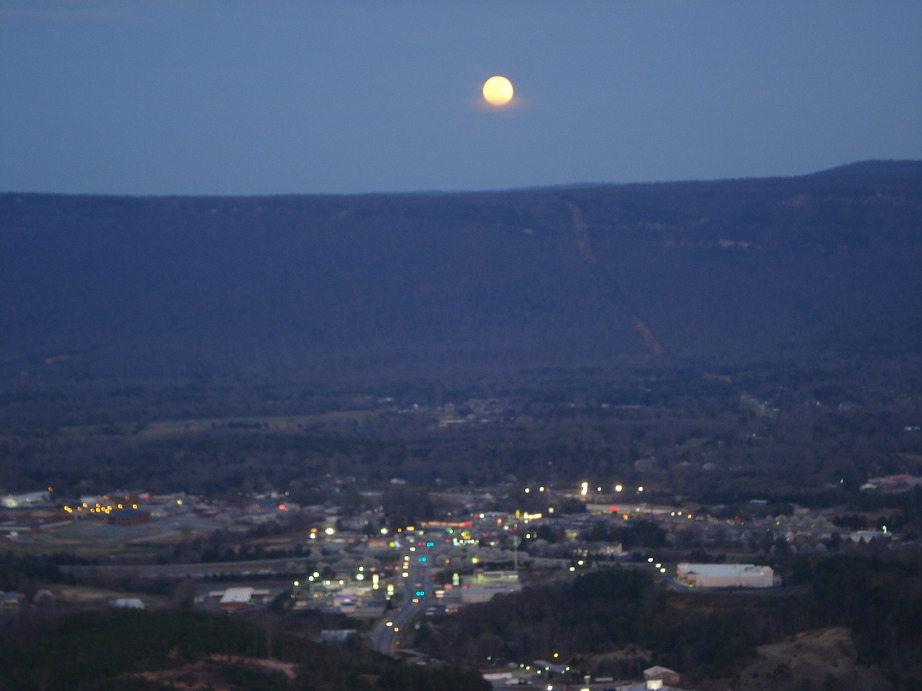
x,y
285,96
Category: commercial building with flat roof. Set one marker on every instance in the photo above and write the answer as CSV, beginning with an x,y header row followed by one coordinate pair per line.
x,y
726,576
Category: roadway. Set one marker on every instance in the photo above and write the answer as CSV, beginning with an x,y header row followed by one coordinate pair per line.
x,y
413,592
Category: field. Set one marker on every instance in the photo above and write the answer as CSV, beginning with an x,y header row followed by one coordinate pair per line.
x,y
269,424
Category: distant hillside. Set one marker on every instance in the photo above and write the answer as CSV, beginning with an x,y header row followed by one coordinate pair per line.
x,y
385,285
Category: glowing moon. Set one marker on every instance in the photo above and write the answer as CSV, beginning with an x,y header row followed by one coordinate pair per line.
x,y
497,91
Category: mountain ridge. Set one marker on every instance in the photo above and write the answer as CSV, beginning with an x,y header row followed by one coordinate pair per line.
x,y
886,166
391,285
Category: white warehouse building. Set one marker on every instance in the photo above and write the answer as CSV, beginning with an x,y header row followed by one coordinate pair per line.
x,y
726,576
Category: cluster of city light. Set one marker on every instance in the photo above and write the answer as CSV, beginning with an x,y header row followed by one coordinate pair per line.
x,y
328,531
658,566
584,488
539,669
97,508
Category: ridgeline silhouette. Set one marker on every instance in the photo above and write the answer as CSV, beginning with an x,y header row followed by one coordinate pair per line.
x,y
384,286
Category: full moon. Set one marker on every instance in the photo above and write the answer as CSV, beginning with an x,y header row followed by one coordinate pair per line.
x,y
497,91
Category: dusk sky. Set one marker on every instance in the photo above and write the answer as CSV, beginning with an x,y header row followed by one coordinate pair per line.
x,y
149,97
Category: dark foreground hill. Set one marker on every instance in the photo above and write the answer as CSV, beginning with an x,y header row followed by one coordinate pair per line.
x,y
146,651
360,287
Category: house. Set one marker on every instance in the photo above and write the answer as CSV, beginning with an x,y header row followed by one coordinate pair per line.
x,y
663,675
126,603
9,602
232,599
656,679
866,536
